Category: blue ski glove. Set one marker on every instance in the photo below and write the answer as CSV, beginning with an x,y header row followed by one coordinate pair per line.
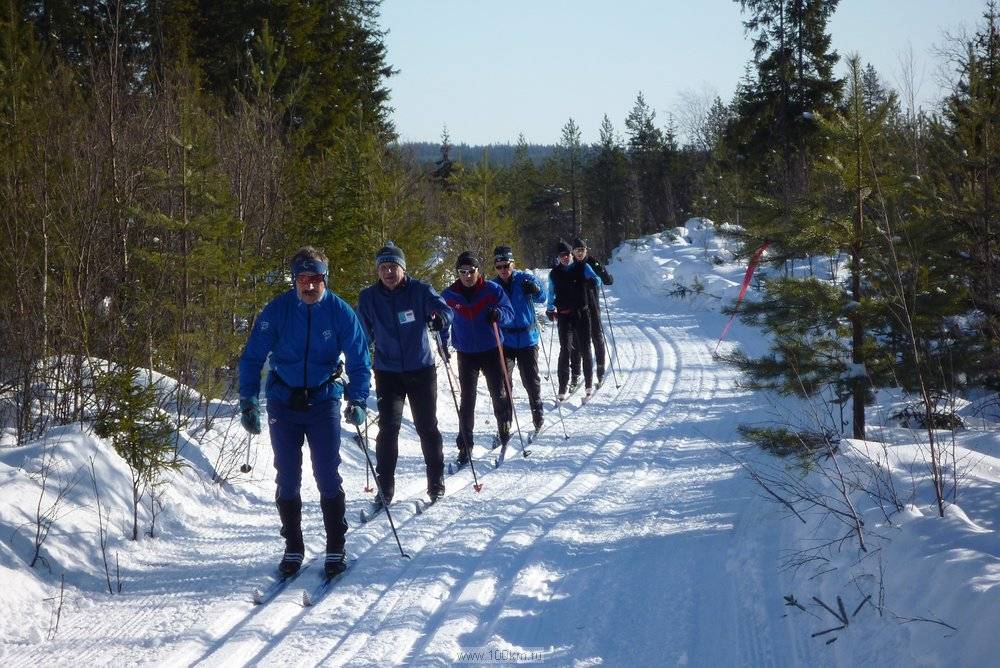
x,y
250,414
355,413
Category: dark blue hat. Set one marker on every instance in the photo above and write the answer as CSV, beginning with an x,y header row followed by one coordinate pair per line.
x,y
468,258
563,247
390,253
503,254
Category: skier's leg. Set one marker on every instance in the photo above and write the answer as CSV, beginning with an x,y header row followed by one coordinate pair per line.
x,y
287,436
493,371
422,393
390,391
565,350
532,381
468,379
581,328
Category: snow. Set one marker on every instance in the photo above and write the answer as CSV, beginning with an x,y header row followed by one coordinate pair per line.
x,y
639,540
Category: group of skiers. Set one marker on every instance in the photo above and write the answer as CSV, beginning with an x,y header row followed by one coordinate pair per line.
x,y
313,337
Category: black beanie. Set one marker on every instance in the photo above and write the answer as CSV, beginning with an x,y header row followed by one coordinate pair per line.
x,y
467,258
390,253
579,243
503,254
563,247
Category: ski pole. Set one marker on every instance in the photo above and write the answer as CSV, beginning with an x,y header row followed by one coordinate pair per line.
x,y
368,484
614,344
548,362
246,468
465,439
381,496
552,383
510,392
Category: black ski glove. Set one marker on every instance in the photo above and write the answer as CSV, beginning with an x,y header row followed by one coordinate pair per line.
x,y
530,288
435,322
493,315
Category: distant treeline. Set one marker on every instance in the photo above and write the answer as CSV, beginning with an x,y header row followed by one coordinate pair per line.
x,y
501,155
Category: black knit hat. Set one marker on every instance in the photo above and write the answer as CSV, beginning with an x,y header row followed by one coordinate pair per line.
x,y
503,254
579,243
563,247
467,258
390,253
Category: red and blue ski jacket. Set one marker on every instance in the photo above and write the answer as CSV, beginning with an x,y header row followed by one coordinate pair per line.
x,y
470,331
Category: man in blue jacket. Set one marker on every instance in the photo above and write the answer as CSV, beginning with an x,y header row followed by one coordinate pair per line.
x,y
478,304
567,306
306,330
520,336
395,313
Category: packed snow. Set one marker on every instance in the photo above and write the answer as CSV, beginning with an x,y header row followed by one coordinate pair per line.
x,y
633,534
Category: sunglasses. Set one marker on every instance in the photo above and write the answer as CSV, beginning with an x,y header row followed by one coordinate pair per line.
x,y
467,272
306,279
502,265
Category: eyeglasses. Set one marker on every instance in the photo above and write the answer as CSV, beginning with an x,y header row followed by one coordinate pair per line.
x,y
306,279
502,265
468,272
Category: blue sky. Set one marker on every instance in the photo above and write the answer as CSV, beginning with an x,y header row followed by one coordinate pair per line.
x,y
492,69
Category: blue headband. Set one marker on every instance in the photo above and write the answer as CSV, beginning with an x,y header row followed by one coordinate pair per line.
x,y
310,266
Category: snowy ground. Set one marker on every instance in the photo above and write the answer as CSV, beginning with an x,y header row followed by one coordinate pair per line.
x,y
637,541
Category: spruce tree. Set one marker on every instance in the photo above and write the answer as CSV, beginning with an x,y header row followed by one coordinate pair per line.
x,y
607,179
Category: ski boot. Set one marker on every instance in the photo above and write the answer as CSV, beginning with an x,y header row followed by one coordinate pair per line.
x,y
290,512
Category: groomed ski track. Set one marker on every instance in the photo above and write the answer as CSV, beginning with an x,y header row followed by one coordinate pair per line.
x,y
635,542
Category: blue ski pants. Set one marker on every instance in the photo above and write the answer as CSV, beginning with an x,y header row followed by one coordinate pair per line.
x,y
320,425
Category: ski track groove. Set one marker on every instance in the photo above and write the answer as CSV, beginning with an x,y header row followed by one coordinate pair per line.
x,y
393,593
259,616
373,617
356,622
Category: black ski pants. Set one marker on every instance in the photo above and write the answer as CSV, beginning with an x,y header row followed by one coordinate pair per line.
x,y
596,334
574,339
392,389
469,366
526,359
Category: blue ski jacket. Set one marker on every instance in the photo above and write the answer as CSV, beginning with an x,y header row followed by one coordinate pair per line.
x,y
522,331
471,332
396,323
305,343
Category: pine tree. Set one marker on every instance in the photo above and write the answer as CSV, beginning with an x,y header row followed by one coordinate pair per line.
x,y
607,179
570,156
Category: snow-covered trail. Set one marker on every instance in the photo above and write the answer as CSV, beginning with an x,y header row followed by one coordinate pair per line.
x,y
635,542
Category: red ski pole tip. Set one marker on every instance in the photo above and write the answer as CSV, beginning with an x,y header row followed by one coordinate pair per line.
x,y
478,488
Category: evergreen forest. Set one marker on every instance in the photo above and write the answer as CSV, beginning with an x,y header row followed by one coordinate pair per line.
x,y
161,160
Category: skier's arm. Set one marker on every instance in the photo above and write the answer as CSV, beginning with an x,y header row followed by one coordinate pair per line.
x,y
354,343
259,344
504,306
540,296
590,275
550,300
